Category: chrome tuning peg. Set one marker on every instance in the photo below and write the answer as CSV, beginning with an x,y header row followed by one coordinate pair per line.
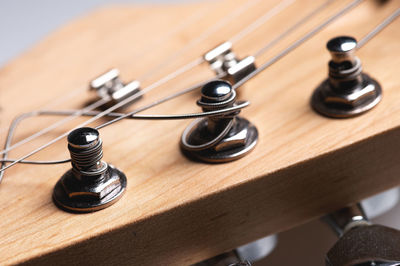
x,y
91,184
110,86
220,138
231,258
224,62
243,255
348,91
361,243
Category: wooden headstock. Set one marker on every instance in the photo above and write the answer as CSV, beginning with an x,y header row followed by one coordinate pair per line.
x,y
176,211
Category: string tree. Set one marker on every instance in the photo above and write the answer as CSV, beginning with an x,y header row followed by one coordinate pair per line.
x,y
110,86
91,184
220,138
223,61
348,91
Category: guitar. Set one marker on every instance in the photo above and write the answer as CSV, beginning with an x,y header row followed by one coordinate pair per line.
x,y
175,210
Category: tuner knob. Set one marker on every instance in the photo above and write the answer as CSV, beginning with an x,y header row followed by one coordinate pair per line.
x,y
91,184
361,243
347,92
221,138
342,49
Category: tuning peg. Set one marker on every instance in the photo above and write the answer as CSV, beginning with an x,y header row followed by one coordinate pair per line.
x,y
361,243
224,62
221,138
348,91
230,258
91,184
109,86
244,255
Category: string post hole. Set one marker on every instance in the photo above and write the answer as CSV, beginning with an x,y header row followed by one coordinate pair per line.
x,y
91,184
223,61
221,138
348,91
110,86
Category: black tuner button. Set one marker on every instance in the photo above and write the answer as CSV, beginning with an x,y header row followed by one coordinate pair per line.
x,y
220,138
217,90
347,92
342,49
84,137
91,184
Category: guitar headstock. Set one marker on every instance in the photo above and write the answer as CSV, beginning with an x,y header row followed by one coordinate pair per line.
x,y
177,210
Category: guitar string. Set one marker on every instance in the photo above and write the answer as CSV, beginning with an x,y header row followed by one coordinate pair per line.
x,y
220,24
361,43
297,43
181,70
268,63
235,38
182,25
16,121
257,54
191,19
378,28
274,11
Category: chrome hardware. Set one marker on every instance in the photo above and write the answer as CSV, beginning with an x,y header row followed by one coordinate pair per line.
x,y
244,255
348,91
224,62
220,138
230,258
91,184
110,86
347,218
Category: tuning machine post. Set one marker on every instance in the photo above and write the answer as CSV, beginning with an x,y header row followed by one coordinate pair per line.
x,y
348,91
110,86
223,61
220,138
91,184
244,255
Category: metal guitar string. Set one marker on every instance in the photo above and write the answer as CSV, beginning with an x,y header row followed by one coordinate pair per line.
x,y
16,121
239,105
188,66
369,36
8,147
237,37
378,28
270,62
53,126
297,43
272,12
183,69
292,28
184,24
361,43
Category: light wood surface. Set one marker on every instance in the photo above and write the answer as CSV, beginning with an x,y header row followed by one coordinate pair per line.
x,y
175,211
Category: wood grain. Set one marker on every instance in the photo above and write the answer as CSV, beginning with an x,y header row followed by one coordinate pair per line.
x,y
176,211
